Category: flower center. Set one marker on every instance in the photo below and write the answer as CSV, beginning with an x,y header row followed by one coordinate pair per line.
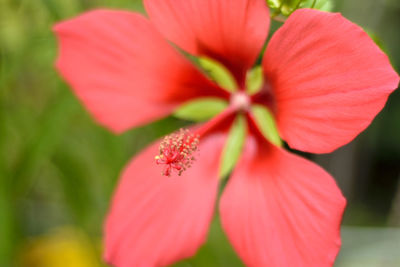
x,y
240,101
177,152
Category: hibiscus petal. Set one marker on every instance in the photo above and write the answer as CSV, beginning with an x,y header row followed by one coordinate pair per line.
x,y
279,209
123,70
329,80
156,220
230,31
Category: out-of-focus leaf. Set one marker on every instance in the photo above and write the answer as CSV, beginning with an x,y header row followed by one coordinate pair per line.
x,y
200,109
266,123
284,7
12,30
378,41
216,252
287,7
218,73
254,80
8,224
369,247
62,9
75,184
136,5
323,5
274,3
233,146
42,142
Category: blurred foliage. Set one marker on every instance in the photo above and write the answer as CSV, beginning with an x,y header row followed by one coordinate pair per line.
x,y
58,168
287,7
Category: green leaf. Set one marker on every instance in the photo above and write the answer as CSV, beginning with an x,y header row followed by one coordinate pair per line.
x,y
266,123
200,109
254,80
233,146
218,73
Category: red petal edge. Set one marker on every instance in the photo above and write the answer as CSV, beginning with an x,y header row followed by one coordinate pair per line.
x,y
279,209
329,80
123,70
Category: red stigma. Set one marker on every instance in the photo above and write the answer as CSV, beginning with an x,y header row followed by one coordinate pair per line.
x,y
176,152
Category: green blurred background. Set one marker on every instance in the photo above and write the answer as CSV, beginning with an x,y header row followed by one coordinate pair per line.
x,y
58,168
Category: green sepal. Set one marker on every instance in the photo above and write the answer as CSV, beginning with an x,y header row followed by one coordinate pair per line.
x,y
254,80
266,123
218,73
201,109
233,146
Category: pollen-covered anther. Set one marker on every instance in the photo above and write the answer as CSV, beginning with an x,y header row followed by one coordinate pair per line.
x,y
177,152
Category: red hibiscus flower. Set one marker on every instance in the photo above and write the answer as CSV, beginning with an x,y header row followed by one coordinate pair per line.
x,y
324,81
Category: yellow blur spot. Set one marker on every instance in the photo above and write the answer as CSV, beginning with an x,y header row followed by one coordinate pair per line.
x,y
63,247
